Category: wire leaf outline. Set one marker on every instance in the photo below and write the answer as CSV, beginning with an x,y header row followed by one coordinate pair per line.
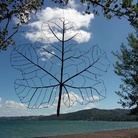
x,y
55,69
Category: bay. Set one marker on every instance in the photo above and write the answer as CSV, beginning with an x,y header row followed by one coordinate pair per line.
x,y
30,129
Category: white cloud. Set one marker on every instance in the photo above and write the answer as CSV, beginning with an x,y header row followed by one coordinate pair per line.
x,y
93,98
70,99
12,108
13,104
72,102
90,106
44,54
0,102
72,4
38,28
0,99
86,36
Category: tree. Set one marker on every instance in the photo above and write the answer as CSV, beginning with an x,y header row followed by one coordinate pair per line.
x,y
127,68
57,70
111,8
20,9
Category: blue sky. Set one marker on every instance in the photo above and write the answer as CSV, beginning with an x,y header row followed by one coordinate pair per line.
x,y
95,30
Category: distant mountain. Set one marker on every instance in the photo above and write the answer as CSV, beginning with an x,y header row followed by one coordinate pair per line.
x,y
94,114
91,114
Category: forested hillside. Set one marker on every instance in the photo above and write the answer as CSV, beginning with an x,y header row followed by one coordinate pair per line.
x,y
89,115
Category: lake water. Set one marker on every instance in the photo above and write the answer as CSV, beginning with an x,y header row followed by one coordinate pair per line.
x,y
30,129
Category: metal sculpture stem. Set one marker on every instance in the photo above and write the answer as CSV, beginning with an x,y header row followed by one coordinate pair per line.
x,y
62,69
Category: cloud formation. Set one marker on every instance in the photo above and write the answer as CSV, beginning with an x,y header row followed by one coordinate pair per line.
x,y
72,102
36,28
0,99
70,99
0,102
13,104
12,108
72,4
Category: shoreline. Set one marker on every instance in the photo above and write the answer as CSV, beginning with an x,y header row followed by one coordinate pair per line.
x,y
121,133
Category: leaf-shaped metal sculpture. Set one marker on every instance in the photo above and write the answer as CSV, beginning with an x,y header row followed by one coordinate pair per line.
x,y
57,69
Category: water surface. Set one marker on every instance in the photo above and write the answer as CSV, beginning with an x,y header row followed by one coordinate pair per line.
x,y
27,129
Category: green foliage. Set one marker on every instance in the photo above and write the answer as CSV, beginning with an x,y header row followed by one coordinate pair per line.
x,y
20,9
127,68
111,8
